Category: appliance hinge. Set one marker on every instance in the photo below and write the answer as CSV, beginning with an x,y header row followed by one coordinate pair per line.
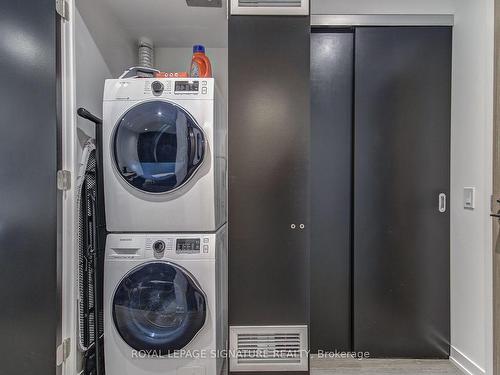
x,y
63,180
62,351
62,9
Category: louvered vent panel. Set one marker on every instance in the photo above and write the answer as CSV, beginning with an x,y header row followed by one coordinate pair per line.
x,y
270,3
270,7
269,348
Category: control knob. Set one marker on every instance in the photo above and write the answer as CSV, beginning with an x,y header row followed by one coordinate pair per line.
x,y
157,87
159,246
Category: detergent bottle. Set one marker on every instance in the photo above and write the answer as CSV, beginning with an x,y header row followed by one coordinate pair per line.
x,y
200,64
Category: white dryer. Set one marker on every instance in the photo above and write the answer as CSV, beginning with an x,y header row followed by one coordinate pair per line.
x,y
165,304
165,155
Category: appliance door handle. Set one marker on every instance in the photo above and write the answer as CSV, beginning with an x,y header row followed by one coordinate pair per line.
x,y
192,146
200,148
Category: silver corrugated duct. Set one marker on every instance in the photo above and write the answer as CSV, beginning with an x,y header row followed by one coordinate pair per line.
x,y
146,53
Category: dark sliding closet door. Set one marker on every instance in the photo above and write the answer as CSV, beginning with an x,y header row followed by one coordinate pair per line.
x,y
332,59
401,166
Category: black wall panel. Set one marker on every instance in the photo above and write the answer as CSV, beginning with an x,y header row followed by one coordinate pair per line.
x,y
28,208
402,164
269,124
332,68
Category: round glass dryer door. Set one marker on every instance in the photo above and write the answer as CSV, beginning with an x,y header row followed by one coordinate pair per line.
x,y
158,306
157,147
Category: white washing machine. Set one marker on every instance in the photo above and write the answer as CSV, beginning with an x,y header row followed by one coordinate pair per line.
x,y
165,304
165,155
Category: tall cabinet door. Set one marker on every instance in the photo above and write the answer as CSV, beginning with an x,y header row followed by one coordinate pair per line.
x,y
401,169
269,121
332,59
28,193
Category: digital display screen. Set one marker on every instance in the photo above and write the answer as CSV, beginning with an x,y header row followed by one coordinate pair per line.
x,y
185,245
186,86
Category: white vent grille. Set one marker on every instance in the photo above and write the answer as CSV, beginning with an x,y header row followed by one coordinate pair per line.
x,y
268,348
270,7
270,3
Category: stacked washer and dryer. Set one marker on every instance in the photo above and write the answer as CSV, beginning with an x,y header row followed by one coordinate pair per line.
x,y
165,182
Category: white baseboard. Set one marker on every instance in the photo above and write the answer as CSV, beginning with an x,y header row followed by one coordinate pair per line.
x,y
464,363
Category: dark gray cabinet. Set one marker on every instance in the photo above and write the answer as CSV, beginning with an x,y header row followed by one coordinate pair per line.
x,y
28,211
269,129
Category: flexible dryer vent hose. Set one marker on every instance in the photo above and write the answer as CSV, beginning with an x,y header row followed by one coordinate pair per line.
x,y
146,53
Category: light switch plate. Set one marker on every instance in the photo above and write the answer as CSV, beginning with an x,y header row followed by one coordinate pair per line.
x,y
469,198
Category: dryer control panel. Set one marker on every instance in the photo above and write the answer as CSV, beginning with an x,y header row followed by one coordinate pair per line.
x,y
167,88
188,86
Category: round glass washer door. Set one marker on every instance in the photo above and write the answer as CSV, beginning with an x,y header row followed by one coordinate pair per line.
x,y
157,147
159,307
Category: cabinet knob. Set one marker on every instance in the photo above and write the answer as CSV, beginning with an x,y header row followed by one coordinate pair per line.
x,y
302,226
293,226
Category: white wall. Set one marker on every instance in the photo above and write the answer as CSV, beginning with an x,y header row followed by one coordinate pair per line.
x,y
84,71
91,71
471,164
179,59
117,46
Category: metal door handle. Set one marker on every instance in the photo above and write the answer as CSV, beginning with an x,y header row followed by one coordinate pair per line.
x,y
442,202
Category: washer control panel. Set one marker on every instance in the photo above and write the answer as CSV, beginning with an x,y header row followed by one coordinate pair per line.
x,y
167,247
188,245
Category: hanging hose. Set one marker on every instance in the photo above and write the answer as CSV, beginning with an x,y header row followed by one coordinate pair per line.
x,y
146,53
